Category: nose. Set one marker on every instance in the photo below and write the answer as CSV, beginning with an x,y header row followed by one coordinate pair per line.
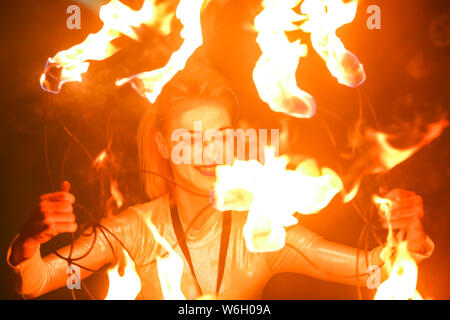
x,y
212,153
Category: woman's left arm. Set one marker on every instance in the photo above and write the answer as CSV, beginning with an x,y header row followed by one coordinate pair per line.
x,y
310,254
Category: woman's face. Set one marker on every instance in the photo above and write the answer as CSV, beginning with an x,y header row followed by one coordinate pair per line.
x,y
196,144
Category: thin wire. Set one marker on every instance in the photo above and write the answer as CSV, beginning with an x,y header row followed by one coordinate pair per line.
x,y
71,135
47,162
87,291
177,243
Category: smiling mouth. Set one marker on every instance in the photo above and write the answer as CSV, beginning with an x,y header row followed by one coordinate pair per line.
x,y
209,171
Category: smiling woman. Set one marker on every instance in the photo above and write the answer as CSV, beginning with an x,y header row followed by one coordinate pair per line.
x,y
196,94
217,262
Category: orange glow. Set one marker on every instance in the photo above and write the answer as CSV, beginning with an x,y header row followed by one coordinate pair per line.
x,y
390,156
382,156
324,18
402,280
117,19
115,193
149,84
99,161
252,186
125,287
274,73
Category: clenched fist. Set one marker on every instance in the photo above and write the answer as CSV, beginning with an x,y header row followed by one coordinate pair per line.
x,y
406,212
54,216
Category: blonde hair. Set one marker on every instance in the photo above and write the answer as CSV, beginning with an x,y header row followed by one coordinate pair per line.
x,y
198,82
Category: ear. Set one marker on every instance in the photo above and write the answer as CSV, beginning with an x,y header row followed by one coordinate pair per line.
x,y
162,147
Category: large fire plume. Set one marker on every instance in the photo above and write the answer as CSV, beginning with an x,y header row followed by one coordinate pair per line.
x,y
275,72
149,84
272,195
324,18
118,19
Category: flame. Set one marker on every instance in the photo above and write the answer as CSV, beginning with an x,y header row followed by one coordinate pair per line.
x,y
68,65
125,287
170,267
115,193
274,73
252,186
324,18
382,156
390,156
170,271
402,280
100,160
149,84
99,163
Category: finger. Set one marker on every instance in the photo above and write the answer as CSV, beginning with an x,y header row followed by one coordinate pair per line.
x,y
403,213
407,202
399,193
63,227
59,196
406,224
65,186
382,190
60,227
55,217
55,206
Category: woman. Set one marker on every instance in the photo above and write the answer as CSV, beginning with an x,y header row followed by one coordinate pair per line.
x,y
216,260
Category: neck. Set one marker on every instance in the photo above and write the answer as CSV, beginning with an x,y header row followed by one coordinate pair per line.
x,y
189,205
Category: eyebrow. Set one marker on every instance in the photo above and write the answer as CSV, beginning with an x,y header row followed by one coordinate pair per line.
x,y
221,129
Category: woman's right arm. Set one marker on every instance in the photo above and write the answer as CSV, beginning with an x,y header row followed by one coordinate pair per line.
x,y
33,275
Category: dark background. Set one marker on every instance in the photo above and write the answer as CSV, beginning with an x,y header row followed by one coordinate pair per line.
x,y
407,67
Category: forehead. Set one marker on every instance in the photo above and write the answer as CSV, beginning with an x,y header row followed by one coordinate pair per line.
x,y
211,115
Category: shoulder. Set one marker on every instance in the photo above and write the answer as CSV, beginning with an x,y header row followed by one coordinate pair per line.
x,y
156,209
